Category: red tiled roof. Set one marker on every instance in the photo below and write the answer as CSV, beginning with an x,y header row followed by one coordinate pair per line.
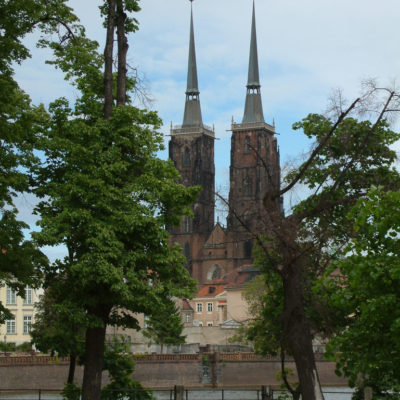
x,y
236,278
186,306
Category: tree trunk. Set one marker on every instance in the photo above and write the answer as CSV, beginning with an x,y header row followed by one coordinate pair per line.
x,y
91,386
108,61
297,333
71,370
122,52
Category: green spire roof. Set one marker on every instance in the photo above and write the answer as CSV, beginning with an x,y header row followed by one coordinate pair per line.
x,y
253,111
192,115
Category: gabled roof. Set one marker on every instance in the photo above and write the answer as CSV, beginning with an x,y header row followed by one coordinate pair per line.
x,y
186,306
217,238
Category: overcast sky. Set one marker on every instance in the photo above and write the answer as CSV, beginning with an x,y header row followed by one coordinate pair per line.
x,y
306,48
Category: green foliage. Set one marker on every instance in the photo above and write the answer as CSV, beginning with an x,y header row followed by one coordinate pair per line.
x,y
9,346
71,392
366,294
58,327
120,367
165,326
356,157
24,347
265,302
20,124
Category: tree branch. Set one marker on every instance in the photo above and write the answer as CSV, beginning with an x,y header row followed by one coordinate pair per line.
x,y
321,145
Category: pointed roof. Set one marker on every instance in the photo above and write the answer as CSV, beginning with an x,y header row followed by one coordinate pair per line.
x,y
192,82
192,115
253,79
253,111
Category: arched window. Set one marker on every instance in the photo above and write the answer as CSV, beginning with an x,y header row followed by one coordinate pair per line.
x,y
247,186
186,225
215,272
247,248
186,251
247,145
186,157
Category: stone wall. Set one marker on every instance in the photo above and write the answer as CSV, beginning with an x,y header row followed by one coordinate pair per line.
x,y
162,371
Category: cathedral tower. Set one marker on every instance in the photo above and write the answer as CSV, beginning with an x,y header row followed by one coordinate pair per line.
x,y
192,150
254,162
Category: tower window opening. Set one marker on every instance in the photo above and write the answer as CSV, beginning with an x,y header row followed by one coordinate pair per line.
x,y
186,225
248,187
247,248
247,145
186,157
186,251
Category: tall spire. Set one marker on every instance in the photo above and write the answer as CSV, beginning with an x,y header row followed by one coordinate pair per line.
x,y
192,115
253,111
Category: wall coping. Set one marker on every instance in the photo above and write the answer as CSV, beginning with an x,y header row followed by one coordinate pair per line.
x,y
228,357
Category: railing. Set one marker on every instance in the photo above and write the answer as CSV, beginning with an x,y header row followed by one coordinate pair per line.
x,y
253,125
187,130
182,393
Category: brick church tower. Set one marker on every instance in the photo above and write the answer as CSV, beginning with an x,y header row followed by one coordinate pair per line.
x,y
192,150
254,163
213,250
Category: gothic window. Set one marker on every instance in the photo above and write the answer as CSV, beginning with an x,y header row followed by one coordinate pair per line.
x,y
186,251
247,145
215,272
247,186
259,142
186,225
186,157
267,144
247,248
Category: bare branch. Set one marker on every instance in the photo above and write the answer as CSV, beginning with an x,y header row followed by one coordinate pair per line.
x,y
316,151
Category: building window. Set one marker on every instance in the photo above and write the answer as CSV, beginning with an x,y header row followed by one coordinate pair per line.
x,y
28,296
186,157
215,272
199,307
187,318
209,324
247,185
186,225
247,248
27,323
11,296
247,145
200,323
11,327
209,307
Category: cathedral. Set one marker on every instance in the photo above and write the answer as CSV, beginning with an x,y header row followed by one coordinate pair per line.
x,y
212,250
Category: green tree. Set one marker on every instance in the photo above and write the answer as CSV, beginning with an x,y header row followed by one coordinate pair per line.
x,y
59,329
120,366
106,196
19,126
165,326
365,292
348,157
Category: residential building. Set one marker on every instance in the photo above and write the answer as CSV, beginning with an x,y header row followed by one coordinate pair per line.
x,y
17,329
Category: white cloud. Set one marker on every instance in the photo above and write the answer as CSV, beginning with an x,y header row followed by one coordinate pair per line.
x,y
306,48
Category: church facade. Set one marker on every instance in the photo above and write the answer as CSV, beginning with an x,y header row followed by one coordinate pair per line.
x,y
212,250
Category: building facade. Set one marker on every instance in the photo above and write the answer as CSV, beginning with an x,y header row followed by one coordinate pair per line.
x,y
212,250
17,329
